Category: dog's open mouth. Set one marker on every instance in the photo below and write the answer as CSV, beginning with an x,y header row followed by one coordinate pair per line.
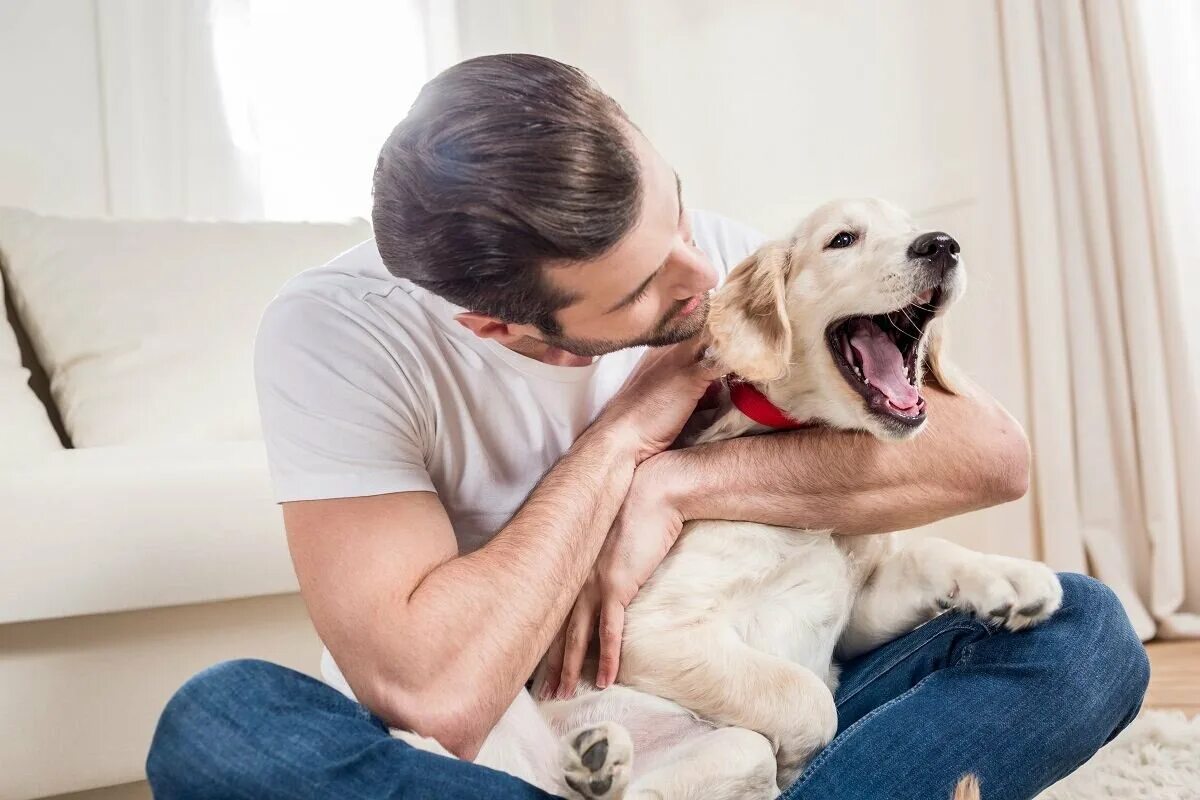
x,y
877,355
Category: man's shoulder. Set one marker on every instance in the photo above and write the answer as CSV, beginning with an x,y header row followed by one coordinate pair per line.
x,y
347,279
350,299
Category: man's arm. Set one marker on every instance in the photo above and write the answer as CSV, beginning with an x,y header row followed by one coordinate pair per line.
x,y
971,455
441,644
436,643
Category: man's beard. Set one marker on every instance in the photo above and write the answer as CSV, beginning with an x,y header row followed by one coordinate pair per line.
x,y
668,331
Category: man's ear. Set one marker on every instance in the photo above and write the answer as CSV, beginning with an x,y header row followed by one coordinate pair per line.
x,y
747,322
486,327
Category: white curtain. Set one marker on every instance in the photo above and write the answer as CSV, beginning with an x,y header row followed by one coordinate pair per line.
x,y
1106,180
253,109
168,147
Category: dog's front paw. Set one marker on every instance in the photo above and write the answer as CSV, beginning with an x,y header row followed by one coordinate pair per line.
x,y
1013,592
596,761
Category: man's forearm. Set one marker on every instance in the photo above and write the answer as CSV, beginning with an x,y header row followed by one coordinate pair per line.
x,y
971,455
487,617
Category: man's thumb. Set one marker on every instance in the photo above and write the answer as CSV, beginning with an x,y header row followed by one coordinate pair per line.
x,y
707,368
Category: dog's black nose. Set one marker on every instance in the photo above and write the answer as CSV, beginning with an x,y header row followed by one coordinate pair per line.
x,y
936,247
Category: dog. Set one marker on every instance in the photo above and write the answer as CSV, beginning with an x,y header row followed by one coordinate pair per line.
x,y
728,666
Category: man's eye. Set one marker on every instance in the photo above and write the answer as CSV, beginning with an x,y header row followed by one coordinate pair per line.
x,y
843,239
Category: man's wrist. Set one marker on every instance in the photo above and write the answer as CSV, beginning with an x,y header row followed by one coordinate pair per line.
x,y
666,480
612,441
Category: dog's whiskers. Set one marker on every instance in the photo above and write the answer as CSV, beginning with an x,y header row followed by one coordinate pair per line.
x,y
912,322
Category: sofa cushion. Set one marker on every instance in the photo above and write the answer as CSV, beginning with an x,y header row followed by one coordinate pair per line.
x,y
104,529
146,328
25,429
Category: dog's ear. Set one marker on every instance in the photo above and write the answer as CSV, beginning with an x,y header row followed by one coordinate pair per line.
x,y
748,323
944,373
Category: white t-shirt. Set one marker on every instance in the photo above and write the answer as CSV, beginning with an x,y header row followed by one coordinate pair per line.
x,y
367,385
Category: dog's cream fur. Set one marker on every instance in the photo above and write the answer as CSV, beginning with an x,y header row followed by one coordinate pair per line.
x,y
727,670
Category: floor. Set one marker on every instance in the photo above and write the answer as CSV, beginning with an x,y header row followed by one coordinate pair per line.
x,y
1174,676
1174,683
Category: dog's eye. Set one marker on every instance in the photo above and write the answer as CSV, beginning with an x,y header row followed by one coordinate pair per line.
x,y
843,239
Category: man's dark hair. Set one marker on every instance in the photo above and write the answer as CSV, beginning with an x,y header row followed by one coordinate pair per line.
x,y
504,164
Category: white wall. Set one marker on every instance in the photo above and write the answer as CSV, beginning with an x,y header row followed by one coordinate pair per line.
x,y
768,108
50,126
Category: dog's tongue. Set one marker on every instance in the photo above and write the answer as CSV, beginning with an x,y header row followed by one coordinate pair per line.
x,y
882,363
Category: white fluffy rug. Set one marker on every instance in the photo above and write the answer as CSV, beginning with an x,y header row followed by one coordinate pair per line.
x,y
1155,758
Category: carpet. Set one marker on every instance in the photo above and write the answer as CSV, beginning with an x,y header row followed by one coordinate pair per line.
x,y
1155,758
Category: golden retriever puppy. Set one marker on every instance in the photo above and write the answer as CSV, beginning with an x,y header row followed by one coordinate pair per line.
x,y
727,672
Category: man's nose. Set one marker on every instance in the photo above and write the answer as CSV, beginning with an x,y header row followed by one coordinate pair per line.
x,y
936,250
694,274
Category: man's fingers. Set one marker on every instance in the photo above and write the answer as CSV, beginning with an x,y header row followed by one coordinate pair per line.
x,y
701,361
612,623
698,377
692,351
554,661
579,631
708,369
675,355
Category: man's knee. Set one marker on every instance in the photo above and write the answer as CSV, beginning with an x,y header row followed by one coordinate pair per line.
x,y
1101,665
1099,630
203,715
224,691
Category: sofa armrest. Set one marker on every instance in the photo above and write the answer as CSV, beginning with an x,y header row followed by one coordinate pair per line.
x,y
107,529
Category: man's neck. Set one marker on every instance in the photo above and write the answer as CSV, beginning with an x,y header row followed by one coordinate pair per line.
x,y
548,354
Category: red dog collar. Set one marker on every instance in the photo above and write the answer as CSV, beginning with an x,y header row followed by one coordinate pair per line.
x,y
755,405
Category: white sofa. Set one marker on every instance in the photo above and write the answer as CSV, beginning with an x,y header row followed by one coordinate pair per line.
x,y
138,539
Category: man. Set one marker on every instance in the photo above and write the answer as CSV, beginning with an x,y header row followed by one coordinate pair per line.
x,y
461,414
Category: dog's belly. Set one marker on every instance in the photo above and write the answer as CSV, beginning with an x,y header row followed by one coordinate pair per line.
x,y
800,613
785,592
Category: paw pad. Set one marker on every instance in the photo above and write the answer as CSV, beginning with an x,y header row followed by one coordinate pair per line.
x,y
596,762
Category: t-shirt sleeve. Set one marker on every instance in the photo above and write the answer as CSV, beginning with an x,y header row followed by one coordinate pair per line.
x,y
342,414
725,242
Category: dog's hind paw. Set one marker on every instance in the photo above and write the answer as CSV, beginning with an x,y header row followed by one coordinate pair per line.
x,y
596,762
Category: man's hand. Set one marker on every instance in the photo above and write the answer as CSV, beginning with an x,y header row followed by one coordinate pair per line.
x,y
644,530
649,412
659,396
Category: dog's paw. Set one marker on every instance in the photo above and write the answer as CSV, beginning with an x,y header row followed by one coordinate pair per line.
x,y
1012,592
596,762
810,725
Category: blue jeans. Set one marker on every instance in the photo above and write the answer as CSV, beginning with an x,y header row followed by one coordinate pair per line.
x,y
1020,710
